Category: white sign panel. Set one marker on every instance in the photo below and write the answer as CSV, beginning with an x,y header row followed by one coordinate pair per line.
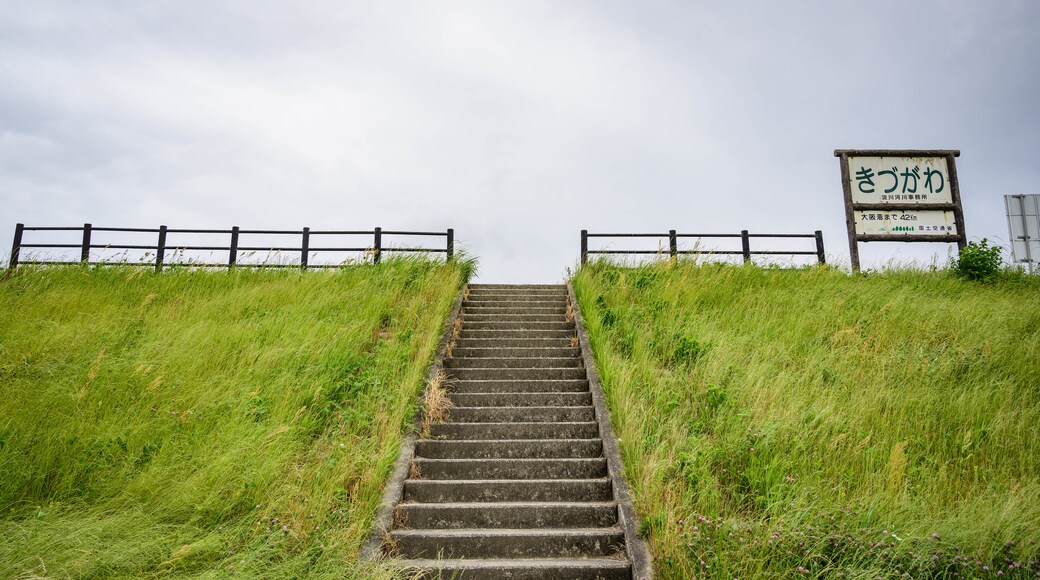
x,y
1023,213
905,223
905,180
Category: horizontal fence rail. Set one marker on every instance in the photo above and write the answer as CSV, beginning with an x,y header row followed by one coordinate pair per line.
x,y
674,251
163,248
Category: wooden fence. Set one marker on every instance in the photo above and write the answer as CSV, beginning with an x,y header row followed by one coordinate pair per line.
x,y
163,247
674,251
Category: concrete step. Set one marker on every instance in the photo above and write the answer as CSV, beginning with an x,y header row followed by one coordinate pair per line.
x,y
520,414
468,317
558,287
521,399
495,292
514,333
520,543
506,343
498,515
496,308
516,295
504,362
508,448
520,302
498,374
519,569
441,491
518,386
563,350
568,468
525,325
500,431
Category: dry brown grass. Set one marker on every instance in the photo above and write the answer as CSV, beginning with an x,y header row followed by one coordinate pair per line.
x,y
435,403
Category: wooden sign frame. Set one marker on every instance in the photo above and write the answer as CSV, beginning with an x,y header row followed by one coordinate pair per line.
x,y
851,207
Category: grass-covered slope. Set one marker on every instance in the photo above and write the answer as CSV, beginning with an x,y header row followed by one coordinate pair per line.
x,y
206,423
778,423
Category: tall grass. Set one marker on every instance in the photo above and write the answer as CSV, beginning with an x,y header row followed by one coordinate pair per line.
x,y
206,423
804,422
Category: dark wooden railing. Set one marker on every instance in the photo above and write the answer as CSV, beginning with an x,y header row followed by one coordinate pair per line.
x,y
674,251
162,245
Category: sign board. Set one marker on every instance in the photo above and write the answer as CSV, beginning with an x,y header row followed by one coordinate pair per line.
x,y
908,222
900,196
1023,213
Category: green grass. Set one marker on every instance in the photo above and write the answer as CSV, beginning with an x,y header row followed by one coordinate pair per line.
x,y
206,424
788,423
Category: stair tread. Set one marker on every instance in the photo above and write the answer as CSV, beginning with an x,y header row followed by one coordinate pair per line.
x,y
527,562
507,532
492,505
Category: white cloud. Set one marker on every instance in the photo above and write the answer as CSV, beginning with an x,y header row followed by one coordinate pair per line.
x,y
517,123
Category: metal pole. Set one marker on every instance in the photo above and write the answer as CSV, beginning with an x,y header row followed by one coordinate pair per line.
x,y
305,248
584,246
160,249
745,242
378,247
84,255
451,243
233,249
16,246
673,245
819,247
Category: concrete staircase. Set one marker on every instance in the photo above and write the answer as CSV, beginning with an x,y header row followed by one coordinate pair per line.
x,y
515,483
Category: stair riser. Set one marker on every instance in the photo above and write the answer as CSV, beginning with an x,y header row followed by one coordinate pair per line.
x,y
525,325
468,318
499,431
514,334
555,287
432,491
511,469
580,570
507,386
558,311
560,302
511,362
461,516
514,343
517,297
510,294
547,545
499,374
562,351
527,449
521,399
520,414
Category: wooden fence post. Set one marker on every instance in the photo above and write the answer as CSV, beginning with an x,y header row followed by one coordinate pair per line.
x,y
820,256
378,247
673,245
745,242
451,243
233,249
84,255
305,248
16,246
584,246
160,249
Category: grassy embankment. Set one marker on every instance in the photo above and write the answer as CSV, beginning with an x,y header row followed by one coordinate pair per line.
x,y
805,422
206,424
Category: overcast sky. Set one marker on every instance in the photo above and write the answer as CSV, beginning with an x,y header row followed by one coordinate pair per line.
x,y
516,123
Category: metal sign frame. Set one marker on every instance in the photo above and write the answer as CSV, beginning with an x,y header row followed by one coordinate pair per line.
x,y
960,237
1028,221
